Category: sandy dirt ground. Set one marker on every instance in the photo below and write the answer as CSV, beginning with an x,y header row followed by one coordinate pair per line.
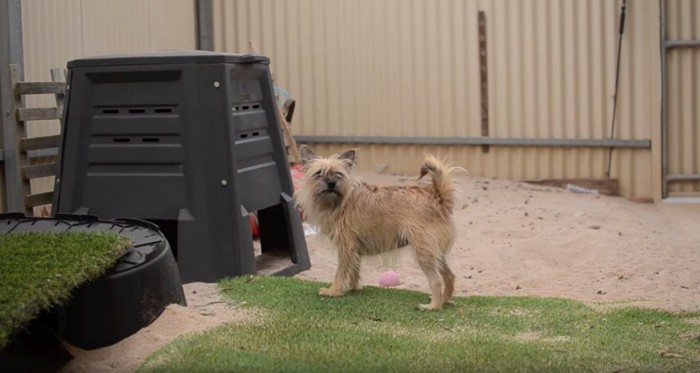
x,y
514,239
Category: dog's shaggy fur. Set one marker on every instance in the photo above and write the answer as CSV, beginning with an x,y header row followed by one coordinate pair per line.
x,y
362,219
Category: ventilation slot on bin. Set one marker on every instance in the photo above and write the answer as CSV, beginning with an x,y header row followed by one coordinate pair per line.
x,y
244,107
157,110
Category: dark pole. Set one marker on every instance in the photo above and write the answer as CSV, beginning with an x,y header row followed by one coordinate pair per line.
x,y
205,25
617,81
11,52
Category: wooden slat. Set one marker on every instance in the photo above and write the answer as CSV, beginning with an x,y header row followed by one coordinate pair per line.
x,y
43,159
38,199
43,113
36,143
34,88
40,170
679,177
13,185
59,76
608,187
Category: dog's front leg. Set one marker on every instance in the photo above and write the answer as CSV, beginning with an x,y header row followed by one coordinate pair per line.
x,y
347,275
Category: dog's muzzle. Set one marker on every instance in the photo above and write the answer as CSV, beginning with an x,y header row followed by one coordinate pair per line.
x,y
331,187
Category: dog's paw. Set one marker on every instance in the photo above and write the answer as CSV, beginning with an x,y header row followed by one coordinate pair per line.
x,y
330,292
429,307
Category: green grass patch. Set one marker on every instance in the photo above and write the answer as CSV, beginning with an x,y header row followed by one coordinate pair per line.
x,y
380,330
38,270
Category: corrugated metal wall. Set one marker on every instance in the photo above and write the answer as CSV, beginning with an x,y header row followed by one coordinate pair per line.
x,y
683,96
411,68
55,32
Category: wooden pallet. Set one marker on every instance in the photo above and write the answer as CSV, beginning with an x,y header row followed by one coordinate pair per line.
x,y
19,167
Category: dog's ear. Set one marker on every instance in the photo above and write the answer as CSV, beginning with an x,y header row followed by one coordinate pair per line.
x,y
306,154
349,157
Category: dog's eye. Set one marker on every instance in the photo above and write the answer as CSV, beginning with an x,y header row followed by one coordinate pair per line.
x,y
317,174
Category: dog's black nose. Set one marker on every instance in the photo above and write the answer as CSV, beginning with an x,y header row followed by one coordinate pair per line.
x,y
330,184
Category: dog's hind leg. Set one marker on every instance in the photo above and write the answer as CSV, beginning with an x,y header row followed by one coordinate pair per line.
x,y
430,266
449,278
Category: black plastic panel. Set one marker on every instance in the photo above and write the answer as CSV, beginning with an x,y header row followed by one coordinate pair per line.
x,y
188,139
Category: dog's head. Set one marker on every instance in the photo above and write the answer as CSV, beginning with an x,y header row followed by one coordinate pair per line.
x,y
326,180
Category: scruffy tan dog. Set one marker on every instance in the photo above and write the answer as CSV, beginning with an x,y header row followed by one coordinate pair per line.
x,y
362,219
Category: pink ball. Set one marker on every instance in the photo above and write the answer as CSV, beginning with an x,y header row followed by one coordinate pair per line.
x,y
389,279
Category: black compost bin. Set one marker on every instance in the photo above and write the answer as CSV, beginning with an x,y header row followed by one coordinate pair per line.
x,y
191,141
128,297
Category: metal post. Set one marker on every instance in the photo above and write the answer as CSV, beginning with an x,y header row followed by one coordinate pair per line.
x,y
621,32
483,78
664,101
205,25
10,53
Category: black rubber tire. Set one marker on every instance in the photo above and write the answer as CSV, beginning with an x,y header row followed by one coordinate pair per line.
x,y
128,297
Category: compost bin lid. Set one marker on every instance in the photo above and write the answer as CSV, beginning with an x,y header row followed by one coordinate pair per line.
x,y
168,57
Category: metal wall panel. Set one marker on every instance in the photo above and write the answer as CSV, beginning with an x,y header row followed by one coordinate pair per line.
x,y
55,32
411,68
683,97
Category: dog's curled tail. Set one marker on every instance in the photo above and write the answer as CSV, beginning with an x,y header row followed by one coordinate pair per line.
x,y
443,181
